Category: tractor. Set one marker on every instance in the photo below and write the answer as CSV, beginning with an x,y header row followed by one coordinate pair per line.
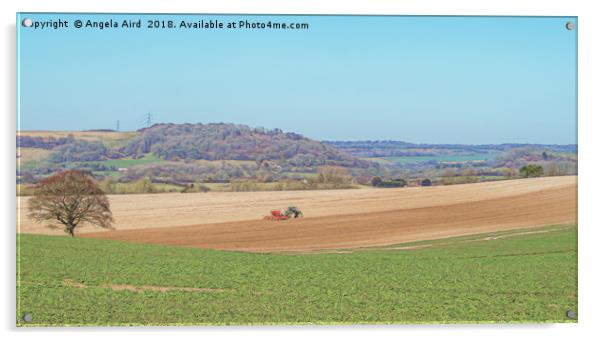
x,y
277,215
293,212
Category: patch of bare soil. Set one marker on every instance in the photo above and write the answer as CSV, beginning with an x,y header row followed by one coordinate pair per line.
x,y
162,289
458,211
182,210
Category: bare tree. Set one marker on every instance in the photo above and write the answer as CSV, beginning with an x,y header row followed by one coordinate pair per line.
x,y
72,198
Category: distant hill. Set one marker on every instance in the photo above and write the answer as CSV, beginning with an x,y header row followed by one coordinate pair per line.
x,y
220,141
184,154
387,148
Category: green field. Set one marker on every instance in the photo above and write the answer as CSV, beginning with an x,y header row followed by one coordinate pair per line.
x,y
127,162
32,159
510,277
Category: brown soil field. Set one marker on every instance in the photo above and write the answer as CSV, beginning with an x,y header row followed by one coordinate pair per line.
x,y
335,219
85,135
32,154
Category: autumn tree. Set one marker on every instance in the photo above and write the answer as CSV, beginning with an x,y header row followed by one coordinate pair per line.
x,y
71,198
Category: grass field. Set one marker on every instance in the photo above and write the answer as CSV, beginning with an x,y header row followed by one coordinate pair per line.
x,y
127,162
514,276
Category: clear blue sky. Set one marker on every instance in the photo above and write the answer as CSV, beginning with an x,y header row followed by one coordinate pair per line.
x,y
419,79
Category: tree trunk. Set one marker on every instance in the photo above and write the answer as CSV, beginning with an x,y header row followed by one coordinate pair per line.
x,y
71,230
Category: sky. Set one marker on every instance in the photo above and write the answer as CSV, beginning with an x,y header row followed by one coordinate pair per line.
x,y
467,80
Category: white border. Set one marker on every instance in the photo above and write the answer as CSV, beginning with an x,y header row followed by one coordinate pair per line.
x,y
590,57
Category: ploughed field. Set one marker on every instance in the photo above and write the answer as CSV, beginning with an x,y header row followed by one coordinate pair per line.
x,y
335,219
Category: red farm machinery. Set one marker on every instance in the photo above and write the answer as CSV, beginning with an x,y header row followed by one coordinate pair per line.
x,y
277,215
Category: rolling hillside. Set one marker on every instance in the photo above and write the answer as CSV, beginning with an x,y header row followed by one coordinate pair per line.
x,y
255,159
234,142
